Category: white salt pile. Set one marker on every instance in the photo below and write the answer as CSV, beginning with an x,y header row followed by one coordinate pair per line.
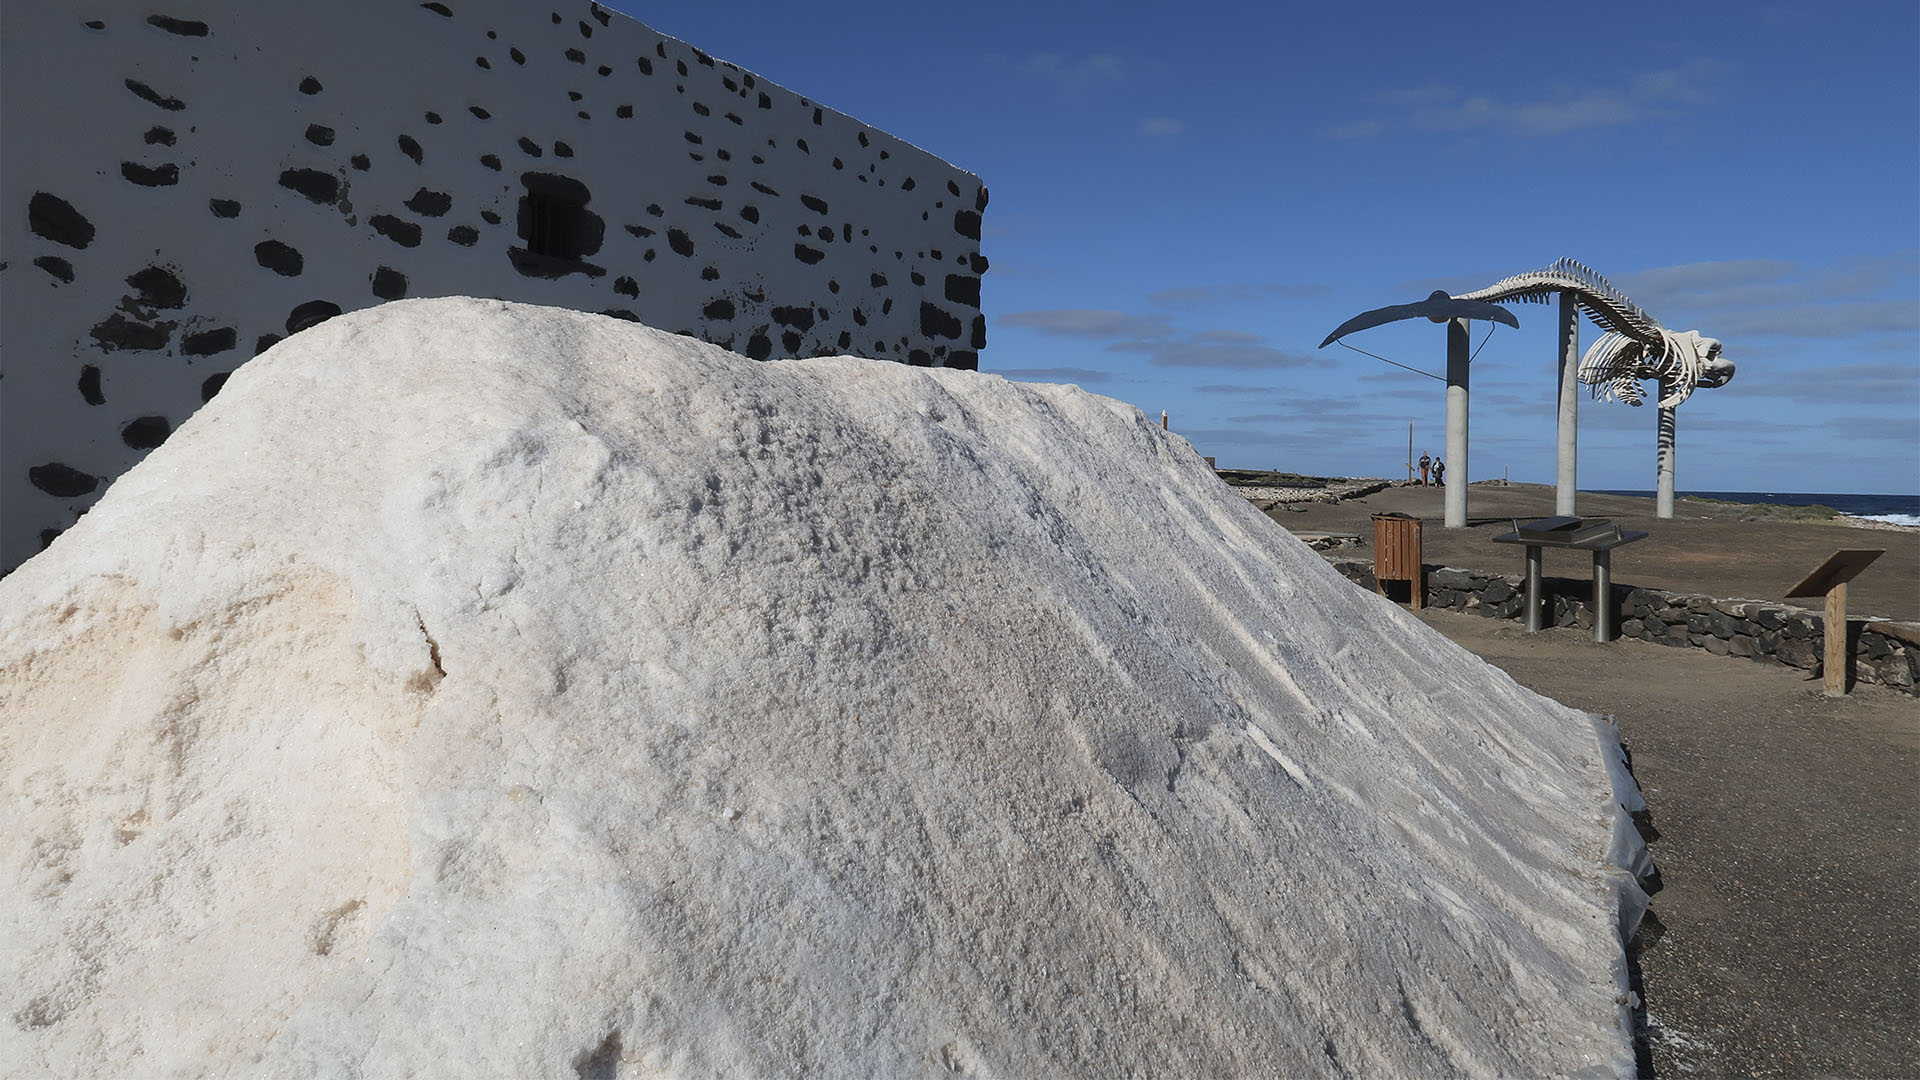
x,y
475,689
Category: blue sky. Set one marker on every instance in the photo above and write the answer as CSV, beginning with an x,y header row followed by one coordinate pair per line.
x,y
1187,200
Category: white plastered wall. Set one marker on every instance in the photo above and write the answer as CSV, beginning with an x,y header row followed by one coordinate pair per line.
x,y
193,146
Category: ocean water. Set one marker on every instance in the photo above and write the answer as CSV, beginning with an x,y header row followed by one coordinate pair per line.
x,y
1897,509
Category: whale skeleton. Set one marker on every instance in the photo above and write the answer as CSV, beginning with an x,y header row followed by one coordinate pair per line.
x,y
1636,346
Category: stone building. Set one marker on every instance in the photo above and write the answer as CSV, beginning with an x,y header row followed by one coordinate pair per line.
x,y
182,188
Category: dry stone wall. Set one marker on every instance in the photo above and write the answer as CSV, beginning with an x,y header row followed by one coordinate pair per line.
x,y
184,187
1886,653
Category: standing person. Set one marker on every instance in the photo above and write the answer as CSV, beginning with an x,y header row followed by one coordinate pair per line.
x,y
1439,473
1425,464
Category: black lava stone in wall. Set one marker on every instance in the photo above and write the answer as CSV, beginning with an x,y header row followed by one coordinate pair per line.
x,y
183,27
150,176
411,148
148,93
58,267
464,235
54,218
279,258
310,314
90,386
321,187
404,233
800,318
430,203
146,432
158,287
117,331
62,481
212,385
224,208
389,284
936,321
963,289
209,342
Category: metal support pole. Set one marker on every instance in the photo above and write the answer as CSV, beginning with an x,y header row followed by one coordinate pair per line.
x,y
1663,505
1603,596
1534,619
1569,448
1458,353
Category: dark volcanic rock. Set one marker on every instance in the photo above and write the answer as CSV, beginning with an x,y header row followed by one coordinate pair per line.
x,y
146,432
62,481
54,218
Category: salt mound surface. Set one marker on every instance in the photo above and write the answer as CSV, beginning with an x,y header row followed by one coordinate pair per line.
x,y
475,689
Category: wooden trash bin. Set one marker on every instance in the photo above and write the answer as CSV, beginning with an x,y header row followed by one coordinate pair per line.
x,y
1396,555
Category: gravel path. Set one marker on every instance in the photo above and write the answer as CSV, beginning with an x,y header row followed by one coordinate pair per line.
x,y
1786,939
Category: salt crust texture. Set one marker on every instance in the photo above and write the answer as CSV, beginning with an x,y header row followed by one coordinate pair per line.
x,y
816,717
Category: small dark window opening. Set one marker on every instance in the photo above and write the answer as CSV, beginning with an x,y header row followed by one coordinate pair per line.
x,y
554,219
557,229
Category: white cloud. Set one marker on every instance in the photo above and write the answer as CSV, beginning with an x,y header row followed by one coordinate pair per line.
x,y
1202,353
1068,74
1053,374
1235,292
1089,322
1555,111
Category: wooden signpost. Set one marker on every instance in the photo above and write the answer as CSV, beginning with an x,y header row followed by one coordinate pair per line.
x,y
1830,579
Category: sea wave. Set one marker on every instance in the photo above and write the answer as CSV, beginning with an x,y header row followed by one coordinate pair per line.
x,y
1911,521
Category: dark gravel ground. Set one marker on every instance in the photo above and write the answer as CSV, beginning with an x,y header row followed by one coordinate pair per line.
x,y
1786,939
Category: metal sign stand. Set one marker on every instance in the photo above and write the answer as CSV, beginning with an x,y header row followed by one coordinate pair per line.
x,y
1597,535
